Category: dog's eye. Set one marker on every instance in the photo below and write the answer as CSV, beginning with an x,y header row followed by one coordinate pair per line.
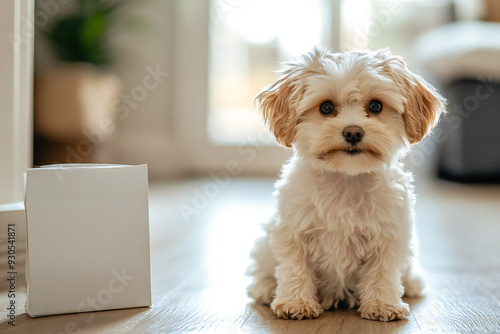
x,y
375,106
326,108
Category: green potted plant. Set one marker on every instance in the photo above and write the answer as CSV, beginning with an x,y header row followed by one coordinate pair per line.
x,y
74,97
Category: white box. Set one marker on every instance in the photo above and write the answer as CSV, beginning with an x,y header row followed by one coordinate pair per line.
x,y
88,238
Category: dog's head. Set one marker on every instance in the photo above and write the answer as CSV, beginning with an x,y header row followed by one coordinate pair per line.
x,y
350,112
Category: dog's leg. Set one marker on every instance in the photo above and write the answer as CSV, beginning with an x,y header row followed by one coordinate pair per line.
x,y
412,278
412,281
262,271
380,287
296,292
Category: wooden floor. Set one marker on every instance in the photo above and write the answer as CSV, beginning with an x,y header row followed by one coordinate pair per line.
x,y
198,267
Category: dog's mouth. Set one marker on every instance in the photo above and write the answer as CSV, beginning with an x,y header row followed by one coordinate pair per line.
x,y
350,151
353,151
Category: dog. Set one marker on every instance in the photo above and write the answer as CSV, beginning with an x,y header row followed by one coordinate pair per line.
x,y
343,233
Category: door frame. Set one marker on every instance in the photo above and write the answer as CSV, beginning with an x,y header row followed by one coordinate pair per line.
x,y
16,91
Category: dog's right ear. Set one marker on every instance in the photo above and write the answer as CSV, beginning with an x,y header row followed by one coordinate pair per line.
x,y
278,103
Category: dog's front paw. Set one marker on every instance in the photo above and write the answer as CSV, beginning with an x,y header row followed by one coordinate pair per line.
x,y
384,311
296,309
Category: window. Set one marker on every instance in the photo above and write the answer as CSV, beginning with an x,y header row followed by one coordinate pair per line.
x,y
223,54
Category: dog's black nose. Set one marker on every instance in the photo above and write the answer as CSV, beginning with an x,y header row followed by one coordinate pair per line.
x,y
353,134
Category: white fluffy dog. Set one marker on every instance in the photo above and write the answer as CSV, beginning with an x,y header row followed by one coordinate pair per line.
x,y
344,228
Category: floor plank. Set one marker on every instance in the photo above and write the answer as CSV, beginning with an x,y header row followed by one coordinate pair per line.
x,y
198,265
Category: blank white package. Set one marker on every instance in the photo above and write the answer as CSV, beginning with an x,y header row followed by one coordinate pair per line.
x,y
88,238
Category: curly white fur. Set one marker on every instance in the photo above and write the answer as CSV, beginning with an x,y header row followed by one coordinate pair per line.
x,y
344,228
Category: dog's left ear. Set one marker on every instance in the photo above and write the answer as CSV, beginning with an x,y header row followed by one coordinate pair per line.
x,y
423,104
423,107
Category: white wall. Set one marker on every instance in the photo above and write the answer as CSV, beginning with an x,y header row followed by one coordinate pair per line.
x,y
16,57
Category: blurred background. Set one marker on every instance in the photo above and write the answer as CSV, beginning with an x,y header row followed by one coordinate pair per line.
x,y
171,83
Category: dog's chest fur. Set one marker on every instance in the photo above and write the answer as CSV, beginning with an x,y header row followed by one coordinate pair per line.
x,y
345,219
